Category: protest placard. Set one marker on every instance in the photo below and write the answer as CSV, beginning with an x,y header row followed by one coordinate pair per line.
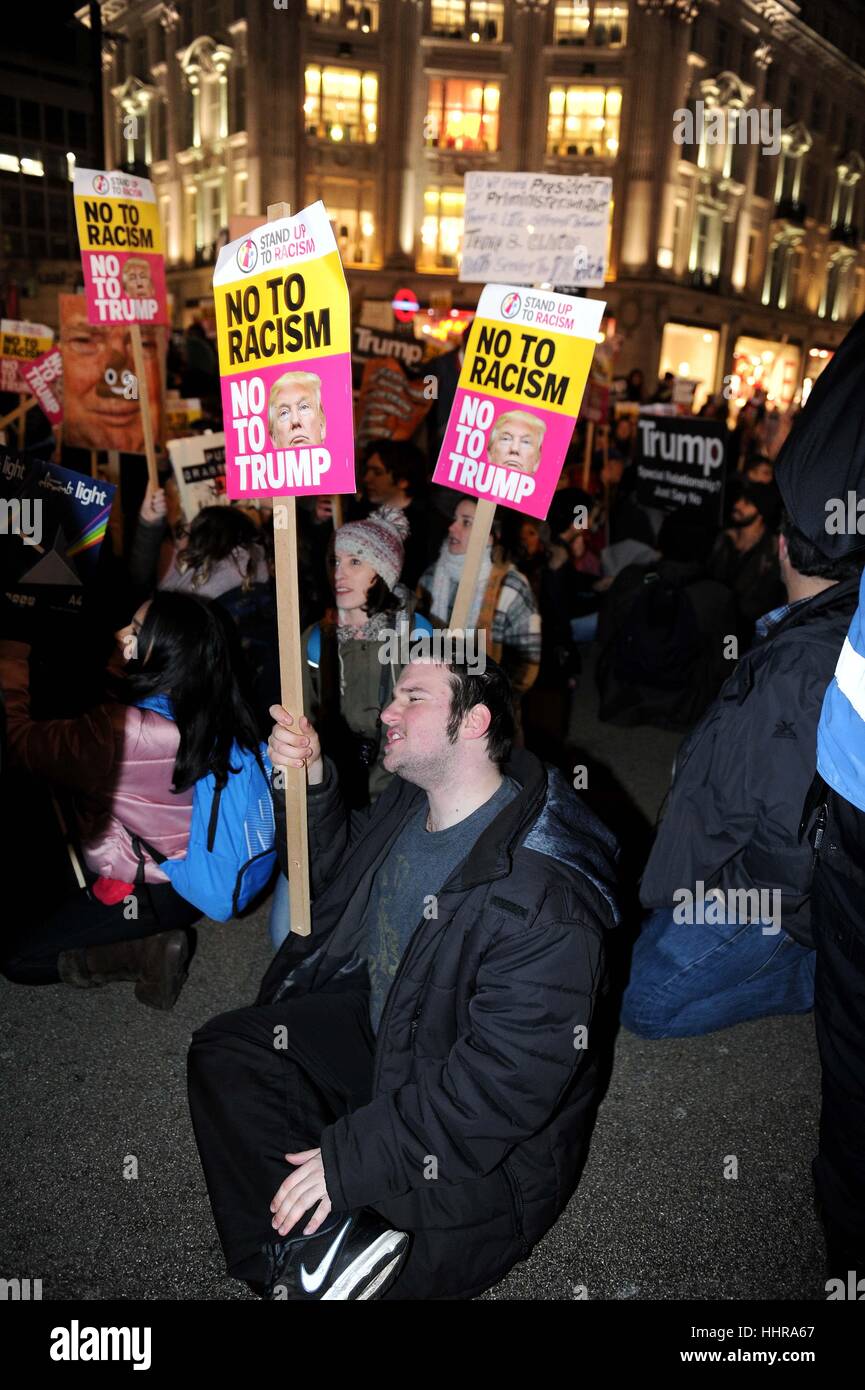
x,y
683,393
392,404
121,247
399,344
596,402
44,377
124,270
680,463
199,468
515,406
101,396
20,343
282,314
533,229
55,523
518,396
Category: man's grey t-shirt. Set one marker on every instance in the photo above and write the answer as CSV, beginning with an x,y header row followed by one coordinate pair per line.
x,y
419,864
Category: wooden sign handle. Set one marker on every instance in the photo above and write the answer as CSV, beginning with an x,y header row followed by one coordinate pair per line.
x,y
291,685
115,520
481,527
27,403
144,405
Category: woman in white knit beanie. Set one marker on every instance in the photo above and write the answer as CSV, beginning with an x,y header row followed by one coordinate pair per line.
x,y
347,676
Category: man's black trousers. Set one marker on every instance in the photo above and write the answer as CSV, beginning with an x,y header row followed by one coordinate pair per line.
x,y
838,916
264,1082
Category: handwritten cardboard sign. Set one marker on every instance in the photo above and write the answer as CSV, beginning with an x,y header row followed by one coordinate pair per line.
x,y
531,229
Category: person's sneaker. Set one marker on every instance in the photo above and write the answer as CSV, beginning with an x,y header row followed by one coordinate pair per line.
x,y
352,1257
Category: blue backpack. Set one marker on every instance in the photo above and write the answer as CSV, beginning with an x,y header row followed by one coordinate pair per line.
x,y
231,854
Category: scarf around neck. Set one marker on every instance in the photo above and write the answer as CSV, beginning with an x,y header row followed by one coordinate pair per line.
x,y
373,628
445,582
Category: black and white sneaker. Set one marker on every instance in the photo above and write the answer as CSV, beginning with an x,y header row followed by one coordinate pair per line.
x,y
352,1257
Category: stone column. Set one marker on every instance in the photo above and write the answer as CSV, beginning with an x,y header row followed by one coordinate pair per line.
x,y
672,91
524,116
109,108
274,99
402,107
739,271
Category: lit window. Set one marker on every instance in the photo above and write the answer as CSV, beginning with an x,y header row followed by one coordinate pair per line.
x,y
584,121
345,14
34,167
350,206
476,20
598,25
462,115
341,104
9,162
442,229
324,11
362,17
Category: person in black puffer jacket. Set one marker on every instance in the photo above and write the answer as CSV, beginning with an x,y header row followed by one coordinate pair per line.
x,y
425,1058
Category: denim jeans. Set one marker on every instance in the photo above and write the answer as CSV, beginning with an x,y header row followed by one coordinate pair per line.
x,y
688,979
280,913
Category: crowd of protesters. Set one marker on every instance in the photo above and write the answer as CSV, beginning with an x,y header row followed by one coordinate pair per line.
x,y
433,783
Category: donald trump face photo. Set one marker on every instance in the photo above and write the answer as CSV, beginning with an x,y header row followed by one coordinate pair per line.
x,y
295,416
136,278
515,441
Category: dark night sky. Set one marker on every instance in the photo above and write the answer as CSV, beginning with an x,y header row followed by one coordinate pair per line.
x,y
42,33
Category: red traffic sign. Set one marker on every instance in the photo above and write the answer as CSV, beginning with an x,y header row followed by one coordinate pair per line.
x,y
405,305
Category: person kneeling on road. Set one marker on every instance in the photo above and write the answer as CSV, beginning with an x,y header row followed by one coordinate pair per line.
x,y
422,1059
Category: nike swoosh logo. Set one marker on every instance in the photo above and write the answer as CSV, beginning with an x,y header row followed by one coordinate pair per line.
x,y
312,1282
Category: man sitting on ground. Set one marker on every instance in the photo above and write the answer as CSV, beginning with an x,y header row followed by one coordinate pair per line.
x,y
423,1061
704,962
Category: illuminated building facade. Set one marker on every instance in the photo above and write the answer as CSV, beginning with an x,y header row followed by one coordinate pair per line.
x,y
727,257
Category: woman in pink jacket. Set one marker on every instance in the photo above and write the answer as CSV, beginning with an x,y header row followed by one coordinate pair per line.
x,y
130,771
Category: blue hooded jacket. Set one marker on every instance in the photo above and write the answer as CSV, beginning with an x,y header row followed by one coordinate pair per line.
x,y
841,731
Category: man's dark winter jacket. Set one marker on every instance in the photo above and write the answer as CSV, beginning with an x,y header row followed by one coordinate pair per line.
x,y
480,1060
734,808
678,704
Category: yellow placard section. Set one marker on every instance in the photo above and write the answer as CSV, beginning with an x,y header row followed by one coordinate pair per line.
x,y
23,346
528,365
282,314
118,224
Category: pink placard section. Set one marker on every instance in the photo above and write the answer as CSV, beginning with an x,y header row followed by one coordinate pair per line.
x,y
44,377
509,453
125,287
289,430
